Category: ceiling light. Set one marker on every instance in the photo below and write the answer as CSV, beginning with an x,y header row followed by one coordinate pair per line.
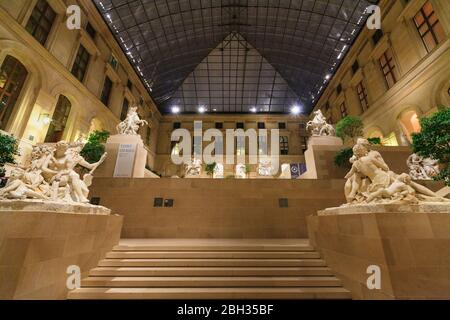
x,y
295,110
253,109
327,77
202,109
175,109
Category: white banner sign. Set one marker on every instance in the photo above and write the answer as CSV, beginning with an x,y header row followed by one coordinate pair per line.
x,y
125,160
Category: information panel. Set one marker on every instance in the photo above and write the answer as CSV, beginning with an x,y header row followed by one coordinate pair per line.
x,y
125,160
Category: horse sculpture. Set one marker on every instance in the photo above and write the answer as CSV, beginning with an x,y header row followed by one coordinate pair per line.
x,y
131,123
319,126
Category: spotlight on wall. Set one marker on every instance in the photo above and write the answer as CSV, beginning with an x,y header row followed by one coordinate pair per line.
x,y
45,118
202,109
175,109
253,109
295,110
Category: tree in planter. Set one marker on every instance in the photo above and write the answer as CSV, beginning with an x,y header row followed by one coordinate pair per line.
x,y
433,141
209,168
349,128
95,148
9,148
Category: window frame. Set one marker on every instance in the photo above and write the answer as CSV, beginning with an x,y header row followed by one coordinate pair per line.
x,y
430,27
362,95
105,97
81,63
38,21
343,109
390,65
284,145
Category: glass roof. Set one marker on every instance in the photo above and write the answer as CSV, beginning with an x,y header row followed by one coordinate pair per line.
x,y
235,55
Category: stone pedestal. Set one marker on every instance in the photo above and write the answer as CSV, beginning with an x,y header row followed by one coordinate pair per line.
x,y
315,169
127,157
409,243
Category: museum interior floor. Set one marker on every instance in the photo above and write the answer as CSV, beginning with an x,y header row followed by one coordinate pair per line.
x,y
211,269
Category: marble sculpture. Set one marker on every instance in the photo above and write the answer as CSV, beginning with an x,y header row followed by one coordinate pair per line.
x,y
421,168
319,126
370,181
131,124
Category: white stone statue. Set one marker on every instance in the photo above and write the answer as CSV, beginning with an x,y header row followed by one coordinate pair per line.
x,y
241,171
285,171
51,176
193,168
319,126
265,167
131,123
218,171
371,181
421,168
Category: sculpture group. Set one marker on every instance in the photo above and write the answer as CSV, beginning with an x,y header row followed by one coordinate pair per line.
x,y
421,168
131,123
371,181
52,175
318,126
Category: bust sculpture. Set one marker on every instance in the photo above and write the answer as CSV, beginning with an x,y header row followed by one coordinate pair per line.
x,y
218,171
241,171
421,168
370,181
318,126
131,123
285,171
51,175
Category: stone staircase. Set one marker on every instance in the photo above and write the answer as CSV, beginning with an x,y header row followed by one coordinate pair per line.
x,y
211,269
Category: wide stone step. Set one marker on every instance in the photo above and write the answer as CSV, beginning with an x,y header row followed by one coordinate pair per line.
x,y
135,282
212,254
212,262
210,271
211,293
213,247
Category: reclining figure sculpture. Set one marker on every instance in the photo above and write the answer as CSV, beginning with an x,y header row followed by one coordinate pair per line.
x,y
370,181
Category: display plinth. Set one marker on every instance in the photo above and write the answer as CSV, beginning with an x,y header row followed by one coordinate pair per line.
x,y
127,157
48,206
313,168
408,243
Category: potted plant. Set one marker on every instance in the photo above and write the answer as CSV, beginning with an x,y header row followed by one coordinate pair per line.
x,y
248,169
433,141
209,168
349,129
9,149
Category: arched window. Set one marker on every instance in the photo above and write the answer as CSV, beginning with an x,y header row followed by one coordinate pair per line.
x,y
58,125
409,122
12,78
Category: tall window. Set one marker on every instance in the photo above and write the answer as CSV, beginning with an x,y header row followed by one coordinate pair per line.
x,y
429,27
362,95
41,21
343,109
284,145
12,78
388,66
106,92
123,113
59,120
80,64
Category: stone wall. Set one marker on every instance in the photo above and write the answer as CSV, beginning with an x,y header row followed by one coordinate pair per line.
x,y
213,208
395,157
411,250
36,248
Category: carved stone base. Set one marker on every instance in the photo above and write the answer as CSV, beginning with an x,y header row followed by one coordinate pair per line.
x,y
32,205
431,207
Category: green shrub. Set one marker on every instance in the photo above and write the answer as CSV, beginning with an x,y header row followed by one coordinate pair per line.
x,y
9,148
374,141
209,168
349,127
434,141
94,147
342,157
